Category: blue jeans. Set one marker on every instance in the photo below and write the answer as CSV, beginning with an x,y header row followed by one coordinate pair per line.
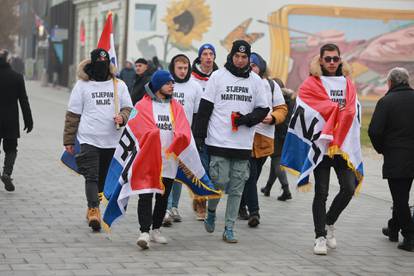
x,y
229,175
175,195
205,158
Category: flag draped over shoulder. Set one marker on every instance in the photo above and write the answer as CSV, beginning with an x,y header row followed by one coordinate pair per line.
x,y
106,41
137,162
319,127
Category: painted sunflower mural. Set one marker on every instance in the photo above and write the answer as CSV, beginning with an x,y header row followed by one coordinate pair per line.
x,y
187,20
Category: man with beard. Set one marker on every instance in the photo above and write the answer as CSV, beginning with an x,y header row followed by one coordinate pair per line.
x,y
143,76
233,102
187,92
92,119
203,67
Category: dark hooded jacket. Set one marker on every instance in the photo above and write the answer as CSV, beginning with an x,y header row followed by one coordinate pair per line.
x,y
12,91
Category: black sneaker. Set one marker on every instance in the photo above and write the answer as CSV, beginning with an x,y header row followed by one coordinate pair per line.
x,y
265,191
392,235
407,245
8,182
284,196
243,215
254,220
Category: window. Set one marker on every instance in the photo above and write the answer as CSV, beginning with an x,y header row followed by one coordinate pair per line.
x,y
145,17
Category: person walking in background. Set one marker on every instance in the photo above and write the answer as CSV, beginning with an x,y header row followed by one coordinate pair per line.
x,y
263,143
392,134
12,93
275,171
143,76
234,101
203,67
187,92
92,119
128,75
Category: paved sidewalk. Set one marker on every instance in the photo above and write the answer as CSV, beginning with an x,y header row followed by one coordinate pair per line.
x,y
43,229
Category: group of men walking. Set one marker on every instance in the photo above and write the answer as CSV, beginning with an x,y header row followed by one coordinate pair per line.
x,y
237,118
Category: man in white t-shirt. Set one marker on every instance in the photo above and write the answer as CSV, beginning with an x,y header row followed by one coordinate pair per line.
x,y
94,119
332,72
234,101
263,144
203,67
187,92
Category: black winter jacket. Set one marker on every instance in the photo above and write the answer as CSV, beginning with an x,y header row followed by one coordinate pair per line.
x,y
392,132
12,90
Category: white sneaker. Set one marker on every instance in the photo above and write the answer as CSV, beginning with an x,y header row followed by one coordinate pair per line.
x,y
320,246
157,237
143,240
167,221
175,215
330,236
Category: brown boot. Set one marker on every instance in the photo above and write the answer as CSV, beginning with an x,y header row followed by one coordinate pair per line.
x,y
201,209
94,219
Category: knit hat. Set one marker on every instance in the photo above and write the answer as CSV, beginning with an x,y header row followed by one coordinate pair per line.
x,y
241,46
141,60
255,58
204,47
98,54
159,78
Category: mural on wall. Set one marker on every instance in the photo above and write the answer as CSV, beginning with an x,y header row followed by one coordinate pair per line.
x,y
240,32
372,41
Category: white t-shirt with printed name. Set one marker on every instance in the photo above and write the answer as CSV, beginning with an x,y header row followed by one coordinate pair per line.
x,y
230,93
94,101
335,87
188,94
163,120
273,99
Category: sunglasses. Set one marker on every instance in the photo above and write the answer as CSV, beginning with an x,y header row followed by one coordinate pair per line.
x,y
330,59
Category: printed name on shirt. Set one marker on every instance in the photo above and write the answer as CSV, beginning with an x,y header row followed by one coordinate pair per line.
x,y
179,96
231,95
164,122
337,96
103,98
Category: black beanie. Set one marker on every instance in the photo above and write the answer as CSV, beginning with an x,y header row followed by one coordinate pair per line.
x,y
241,46
99,52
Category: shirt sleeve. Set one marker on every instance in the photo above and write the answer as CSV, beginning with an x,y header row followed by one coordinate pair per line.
x,y
76,100
210,92
260,100
277,95
199,92
123,94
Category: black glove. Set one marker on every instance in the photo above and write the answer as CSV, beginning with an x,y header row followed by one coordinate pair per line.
x,y
241,120
28,127
199,143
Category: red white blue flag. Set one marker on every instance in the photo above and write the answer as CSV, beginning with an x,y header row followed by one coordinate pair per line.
x,y
106,41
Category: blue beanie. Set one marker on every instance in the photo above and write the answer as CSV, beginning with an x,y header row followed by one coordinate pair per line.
x,y
206,46
159,78
255,58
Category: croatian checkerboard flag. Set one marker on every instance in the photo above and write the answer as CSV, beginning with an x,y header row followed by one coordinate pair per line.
x,y
106,41
321,127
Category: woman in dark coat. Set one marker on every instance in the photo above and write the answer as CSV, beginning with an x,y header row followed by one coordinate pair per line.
x,y
392,134
12,90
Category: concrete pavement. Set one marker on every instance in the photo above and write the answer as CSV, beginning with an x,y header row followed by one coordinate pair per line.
x,y
43,229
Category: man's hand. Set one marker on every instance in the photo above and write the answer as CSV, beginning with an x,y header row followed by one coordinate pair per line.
x,y
268,120
118,119
70,149
28,128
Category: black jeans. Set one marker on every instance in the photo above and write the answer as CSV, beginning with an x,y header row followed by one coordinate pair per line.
x,y
146,217
249,196
401,216
10,150
275,173
93,164
346,179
